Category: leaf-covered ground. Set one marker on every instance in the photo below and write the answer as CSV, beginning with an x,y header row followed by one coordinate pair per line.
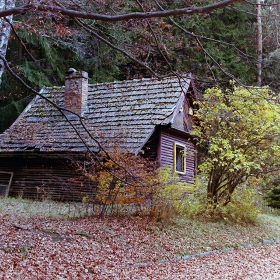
x,y
37,241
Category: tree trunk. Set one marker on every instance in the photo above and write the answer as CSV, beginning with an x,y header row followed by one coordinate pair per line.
x,y
4,31
259,41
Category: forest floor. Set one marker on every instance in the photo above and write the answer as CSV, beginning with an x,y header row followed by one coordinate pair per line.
x,y
38,240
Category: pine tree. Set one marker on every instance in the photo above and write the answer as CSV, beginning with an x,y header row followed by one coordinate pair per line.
x,y
273,196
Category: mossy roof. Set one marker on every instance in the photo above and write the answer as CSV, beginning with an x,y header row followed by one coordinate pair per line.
x,y
123,114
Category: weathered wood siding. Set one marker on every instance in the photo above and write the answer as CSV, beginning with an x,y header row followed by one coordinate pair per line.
x,y
165,152
41,178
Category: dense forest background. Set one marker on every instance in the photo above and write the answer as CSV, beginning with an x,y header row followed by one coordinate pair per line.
x,y
215,47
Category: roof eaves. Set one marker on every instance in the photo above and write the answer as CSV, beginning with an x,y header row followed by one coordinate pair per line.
x,y
185,83
27,108
145,141
170,117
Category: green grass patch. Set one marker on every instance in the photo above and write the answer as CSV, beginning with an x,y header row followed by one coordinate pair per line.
x,y
193,236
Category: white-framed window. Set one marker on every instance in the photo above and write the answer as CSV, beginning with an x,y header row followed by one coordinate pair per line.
x,y
179,158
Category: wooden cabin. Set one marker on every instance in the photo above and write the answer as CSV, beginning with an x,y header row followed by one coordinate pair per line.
x,y
148,117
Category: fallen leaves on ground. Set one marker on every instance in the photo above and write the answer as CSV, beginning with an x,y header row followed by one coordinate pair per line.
x,y
120,248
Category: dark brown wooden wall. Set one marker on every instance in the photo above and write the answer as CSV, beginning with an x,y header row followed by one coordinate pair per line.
x,y
41,178
165,157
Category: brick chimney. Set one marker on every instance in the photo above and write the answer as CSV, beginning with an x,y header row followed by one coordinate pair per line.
x,y
76,91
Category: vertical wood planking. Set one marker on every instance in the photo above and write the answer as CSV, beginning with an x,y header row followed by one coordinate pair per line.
x,y
166,156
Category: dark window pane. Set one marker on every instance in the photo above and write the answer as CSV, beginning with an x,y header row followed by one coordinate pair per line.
x,y
179,159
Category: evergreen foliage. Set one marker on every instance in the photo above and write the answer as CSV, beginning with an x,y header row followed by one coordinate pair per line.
x,y
228,37
52,56
8,114
273,196
271,71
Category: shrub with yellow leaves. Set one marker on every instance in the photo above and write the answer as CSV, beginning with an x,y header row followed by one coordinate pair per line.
x,y
238,133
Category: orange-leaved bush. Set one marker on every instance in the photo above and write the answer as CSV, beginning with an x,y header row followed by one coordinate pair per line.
x,y
119,178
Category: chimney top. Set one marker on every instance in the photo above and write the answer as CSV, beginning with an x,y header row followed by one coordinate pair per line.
x,y
74,74
76,90
70,71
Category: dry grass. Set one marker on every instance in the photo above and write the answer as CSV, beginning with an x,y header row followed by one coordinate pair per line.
x,y
23,209
192,236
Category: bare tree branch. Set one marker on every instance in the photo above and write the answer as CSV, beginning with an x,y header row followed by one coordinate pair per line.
x,y
115,18
157,41
127,54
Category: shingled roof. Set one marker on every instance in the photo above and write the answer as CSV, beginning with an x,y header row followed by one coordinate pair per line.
x,y
123,113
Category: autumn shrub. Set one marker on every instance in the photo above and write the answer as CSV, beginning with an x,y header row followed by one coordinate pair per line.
x,y
196,203
124,181
238,133
169,200
241,208
119,179
175,199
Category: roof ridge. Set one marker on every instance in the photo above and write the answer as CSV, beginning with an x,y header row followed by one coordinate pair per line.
x,y
187,75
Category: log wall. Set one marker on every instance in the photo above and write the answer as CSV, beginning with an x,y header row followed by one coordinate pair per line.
x,y
42,178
